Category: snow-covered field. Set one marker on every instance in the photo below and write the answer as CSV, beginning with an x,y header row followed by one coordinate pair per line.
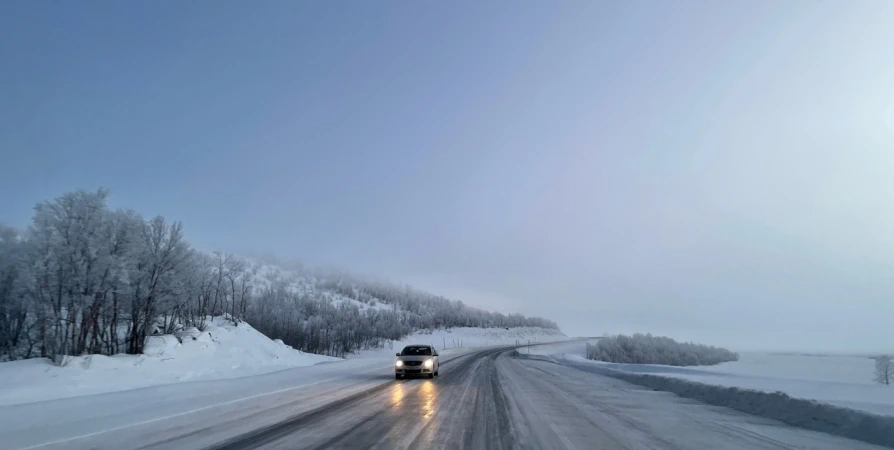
x,y
842,380
222,351
832,394
839,380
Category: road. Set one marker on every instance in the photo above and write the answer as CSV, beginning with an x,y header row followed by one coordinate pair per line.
x,y
483,399
491,399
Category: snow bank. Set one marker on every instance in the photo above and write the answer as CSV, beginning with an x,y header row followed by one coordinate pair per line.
x,y
222,350
840,380
804,413
573,346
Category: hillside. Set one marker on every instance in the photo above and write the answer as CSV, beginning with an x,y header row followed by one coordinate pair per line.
x,y
337,314
85,279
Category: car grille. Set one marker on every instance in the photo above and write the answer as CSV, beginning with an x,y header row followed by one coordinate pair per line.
x,y
412,363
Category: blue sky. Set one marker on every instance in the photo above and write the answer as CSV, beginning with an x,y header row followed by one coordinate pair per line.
x,y
711,170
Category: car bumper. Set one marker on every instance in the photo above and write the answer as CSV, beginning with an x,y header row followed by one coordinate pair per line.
x,y
411,371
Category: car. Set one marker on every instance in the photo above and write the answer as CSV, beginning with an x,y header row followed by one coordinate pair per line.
x,y
417,360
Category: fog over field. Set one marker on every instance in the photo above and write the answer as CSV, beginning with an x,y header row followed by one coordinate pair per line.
x,y
534,162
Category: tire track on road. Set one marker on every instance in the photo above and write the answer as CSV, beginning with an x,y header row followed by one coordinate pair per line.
x,y
376,424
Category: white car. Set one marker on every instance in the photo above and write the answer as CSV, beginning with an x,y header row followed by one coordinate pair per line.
x,y
416,360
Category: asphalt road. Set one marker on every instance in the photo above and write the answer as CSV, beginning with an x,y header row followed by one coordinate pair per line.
x,y
494,400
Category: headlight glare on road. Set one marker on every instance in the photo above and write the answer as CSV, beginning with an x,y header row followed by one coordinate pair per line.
x,y
399,363
429,363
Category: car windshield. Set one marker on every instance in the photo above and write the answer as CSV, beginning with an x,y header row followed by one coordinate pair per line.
x,y
416,351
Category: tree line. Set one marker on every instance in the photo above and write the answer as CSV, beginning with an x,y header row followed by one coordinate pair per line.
x,y
84,278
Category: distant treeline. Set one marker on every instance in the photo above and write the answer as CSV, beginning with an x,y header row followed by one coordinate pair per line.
x,y
313,323
86,279
648,349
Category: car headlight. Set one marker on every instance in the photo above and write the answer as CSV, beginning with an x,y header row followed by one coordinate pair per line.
x,y
429,363
399,363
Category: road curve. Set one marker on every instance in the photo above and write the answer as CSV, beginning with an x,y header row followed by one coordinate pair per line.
x,y
495,400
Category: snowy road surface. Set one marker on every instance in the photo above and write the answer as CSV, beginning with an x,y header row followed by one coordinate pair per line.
x,y
483,399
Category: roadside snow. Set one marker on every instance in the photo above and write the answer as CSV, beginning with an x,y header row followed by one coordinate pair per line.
x,y
222,351
799,412
831,394
838,380
841,380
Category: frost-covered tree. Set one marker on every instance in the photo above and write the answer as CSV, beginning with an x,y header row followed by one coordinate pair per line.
x,y
884,369
96,279
74,269
157,288
15,326
87,279
648,349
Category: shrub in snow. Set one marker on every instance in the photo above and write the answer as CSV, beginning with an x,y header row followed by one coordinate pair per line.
x,y
884,369
648,349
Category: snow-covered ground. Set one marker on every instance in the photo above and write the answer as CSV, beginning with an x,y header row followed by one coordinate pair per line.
x,y
842,380
838,380
831,394
573,346
465,337
223,350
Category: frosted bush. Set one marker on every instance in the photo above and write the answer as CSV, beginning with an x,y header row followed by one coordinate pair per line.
x,y
648,349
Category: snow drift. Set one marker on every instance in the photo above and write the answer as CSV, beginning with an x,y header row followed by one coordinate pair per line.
x,y
222,350
809,414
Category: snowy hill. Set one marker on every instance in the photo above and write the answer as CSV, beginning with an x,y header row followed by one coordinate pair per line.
x,y
335,288
337,314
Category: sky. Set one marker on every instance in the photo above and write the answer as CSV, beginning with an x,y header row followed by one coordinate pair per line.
x,y
711,171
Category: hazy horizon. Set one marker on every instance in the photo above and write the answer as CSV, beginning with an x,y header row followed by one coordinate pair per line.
x,y
716,172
